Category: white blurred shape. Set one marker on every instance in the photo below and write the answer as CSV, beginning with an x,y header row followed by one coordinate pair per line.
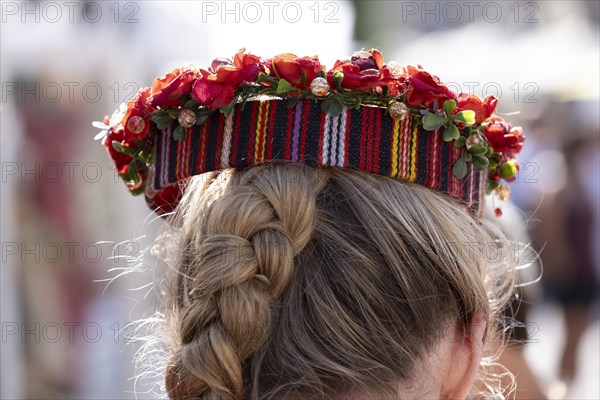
x,y
550,172
561,58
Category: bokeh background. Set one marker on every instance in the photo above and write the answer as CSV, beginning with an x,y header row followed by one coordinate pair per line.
x,y
69,226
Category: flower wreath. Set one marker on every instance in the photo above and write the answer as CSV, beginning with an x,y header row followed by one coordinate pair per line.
x,y
188,96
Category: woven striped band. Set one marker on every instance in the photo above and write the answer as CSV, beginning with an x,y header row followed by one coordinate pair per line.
x,y
367,139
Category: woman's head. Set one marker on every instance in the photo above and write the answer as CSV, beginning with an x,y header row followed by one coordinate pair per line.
x,y
294,282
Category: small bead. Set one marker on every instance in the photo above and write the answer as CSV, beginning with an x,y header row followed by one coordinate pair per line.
x,y
361,54
186,118
472,140
320,87
136,124
396,70
503,192
498,212
398,111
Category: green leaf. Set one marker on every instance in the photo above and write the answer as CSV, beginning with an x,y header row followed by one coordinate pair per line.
x,y
124,149
480,163
132,171
145,155
466,116
179,133
332,106
322,74
174,112
466,155
478,149
491,186
431,122
459,169
191,104
227,110
202,111
449,106
262,77
292,102
160,116
118,146
243,103
125,177
138,191
284,86
162,122
451,133
248,89
202,118
460,142
303,77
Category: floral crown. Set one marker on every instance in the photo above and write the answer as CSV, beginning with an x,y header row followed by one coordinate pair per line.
x,y
362,114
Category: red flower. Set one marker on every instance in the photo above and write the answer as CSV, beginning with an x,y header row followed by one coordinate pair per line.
x,y
292,68
483,108
424,89
166,200
121,160
166,91
217,89
136,127
364,71
503,137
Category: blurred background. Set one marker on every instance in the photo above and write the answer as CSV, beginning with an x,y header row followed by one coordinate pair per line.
x,y
68,225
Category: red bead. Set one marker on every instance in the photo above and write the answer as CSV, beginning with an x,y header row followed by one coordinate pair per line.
x,y
498,212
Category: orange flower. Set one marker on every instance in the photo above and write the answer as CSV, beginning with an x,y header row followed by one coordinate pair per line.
x,y
292,68
217,89
483,108
166,91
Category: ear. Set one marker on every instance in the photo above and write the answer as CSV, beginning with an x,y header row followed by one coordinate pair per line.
x,y
465,356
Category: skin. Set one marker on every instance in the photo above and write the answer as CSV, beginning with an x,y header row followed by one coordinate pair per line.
x,y
462,359
452,366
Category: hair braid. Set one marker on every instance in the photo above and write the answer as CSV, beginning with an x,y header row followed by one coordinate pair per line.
x,y
232,274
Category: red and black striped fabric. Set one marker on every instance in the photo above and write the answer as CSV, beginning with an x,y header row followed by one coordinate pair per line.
x,y
367,139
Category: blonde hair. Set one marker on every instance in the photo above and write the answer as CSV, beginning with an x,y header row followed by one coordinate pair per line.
x,y
293,282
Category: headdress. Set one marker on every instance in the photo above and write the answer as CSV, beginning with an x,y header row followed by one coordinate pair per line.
x,y
362,114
